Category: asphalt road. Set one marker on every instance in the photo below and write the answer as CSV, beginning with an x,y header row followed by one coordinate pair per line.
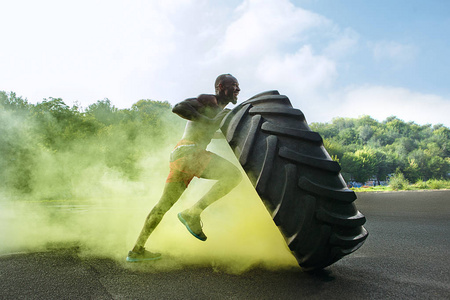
x,y
405,257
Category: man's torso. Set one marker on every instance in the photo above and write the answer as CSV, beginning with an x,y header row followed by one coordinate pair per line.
x,y
199,132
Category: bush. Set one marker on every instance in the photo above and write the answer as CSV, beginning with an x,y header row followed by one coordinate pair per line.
x,y
436,184
398,182
421,185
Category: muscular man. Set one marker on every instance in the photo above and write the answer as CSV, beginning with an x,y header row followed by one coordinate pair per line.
x,y
190,158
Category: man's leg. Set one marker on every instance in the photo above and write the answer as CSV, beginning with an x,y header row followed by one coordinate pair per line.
x,y
228,177
172,192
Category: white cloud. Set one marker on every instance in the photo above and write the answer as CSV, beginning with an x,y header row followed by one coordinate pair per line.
x,y
397,53
146,49
83,51
342,42
265,26
171,50
381,102
269,45
301,73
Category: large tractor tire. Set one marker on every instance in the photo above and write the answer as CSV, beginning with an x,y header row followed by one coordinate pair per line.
x,y
296,178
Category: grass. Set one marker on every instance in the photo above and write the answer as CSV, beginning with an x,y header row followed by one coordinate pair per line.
x,y
432,184
378,188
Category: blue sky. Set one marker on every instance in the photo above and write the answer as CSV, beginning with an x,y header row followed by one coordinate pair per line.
x,y
331,58
421,25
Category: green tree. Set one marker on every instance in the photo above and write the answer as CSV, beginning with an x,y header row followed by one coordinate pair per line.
x,y
365,133
383,165
327,131
361,164
334,148
17,148
348,136
104,112
13,103
60,124
441,136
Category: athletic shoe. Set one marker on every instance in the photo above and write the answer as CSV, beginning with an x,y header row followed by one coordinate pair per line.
x,y
193,225
142,255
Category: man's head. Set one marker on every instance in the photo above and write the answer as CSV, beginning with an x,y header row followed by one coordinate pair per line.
x,y
227,87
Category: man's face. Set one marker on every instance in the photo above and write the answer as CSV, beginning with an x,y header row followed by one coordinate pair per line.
x,y
230,89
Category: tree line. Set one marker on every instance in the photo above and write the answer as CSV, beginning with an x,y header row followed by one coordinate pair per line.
x,y
369,149
52,144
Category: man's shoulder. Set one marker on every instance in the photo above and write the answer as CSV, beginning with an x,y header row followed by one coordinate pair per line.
x,y
207,100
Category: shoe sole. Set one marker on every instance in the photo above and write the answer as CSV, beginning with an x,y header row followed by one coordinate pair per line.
x,y
182,220
130,259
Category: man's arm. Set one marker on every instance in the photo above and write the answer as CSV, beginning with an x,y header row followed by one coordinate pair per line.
x,y
188,109
198,109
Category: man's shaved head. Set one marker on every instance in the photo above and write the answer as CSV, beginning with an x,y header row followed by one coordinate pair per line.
x,y
221,79
227,88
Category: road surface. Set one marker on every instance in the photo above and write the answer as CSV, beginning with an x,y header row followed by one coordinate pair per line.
x,y
406,256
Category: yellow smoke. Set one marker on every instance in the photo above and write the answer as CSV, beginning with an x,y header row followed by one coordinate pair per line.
x,y
110,211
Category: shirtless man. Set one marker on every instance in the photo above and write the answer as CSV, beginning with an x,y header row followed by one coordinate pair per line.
x,y
190,158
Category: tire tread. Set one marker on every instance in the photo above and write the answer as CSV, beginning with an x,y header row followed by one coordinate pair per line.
x,y
297,180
